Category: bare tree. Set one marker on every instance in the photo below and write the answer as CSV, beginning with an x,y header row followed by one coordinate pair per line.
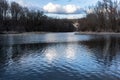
x,y
106,12
3,9
15,10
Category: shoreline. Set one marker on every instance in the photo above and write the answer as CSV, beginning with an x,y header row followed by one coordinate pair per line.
x,y
97,33
76,33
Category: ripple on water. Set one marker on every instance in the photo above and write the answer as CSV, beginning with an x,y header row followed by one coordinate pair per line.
x,y
77,58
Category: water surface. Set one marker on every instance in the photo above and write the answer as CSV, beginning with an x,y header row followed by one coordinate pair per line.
x,y
61,56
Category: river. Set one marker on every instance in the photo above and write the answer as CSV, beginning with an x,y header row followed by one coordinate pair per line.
x,y
59,56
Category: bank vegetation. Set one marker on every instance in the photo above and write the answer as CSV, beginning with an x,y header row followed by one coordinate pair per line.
x,y
104,17
16,18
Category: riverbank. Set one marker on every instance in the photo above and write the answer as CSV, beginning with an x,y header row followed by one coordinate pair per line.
x,y
76,33
21,33
18,33
97,33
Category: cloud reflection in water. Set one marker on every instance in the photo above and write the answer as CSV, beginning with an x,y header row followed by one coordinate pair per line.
x,y
50,55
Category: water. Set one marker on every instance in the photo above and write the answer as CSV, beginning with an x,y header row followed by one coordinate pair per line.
x,y
61,56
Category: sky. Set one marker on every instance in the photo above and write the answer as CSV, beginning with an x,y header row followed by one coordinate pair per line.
x,y
59,8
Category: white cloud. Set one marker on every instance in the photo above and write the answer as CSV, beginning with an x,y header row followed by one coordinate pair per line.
x,y
52,8
66,9
71,8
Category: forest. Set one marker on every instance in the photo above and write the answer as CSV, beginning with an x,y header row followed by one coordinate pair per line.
x,y
16,18
103,17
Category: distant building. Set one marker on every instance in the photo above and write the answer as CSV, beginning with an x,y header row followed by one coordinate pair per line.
x,y
76,25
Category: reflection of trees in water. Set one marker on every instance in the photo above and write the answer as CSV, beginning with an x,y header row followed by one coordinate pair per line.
x,y
105,48
3,55
111,48
15,52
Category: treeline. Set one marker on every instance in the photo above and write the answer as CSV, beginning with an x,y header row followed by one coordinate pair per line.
x,y
104,17
14,17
